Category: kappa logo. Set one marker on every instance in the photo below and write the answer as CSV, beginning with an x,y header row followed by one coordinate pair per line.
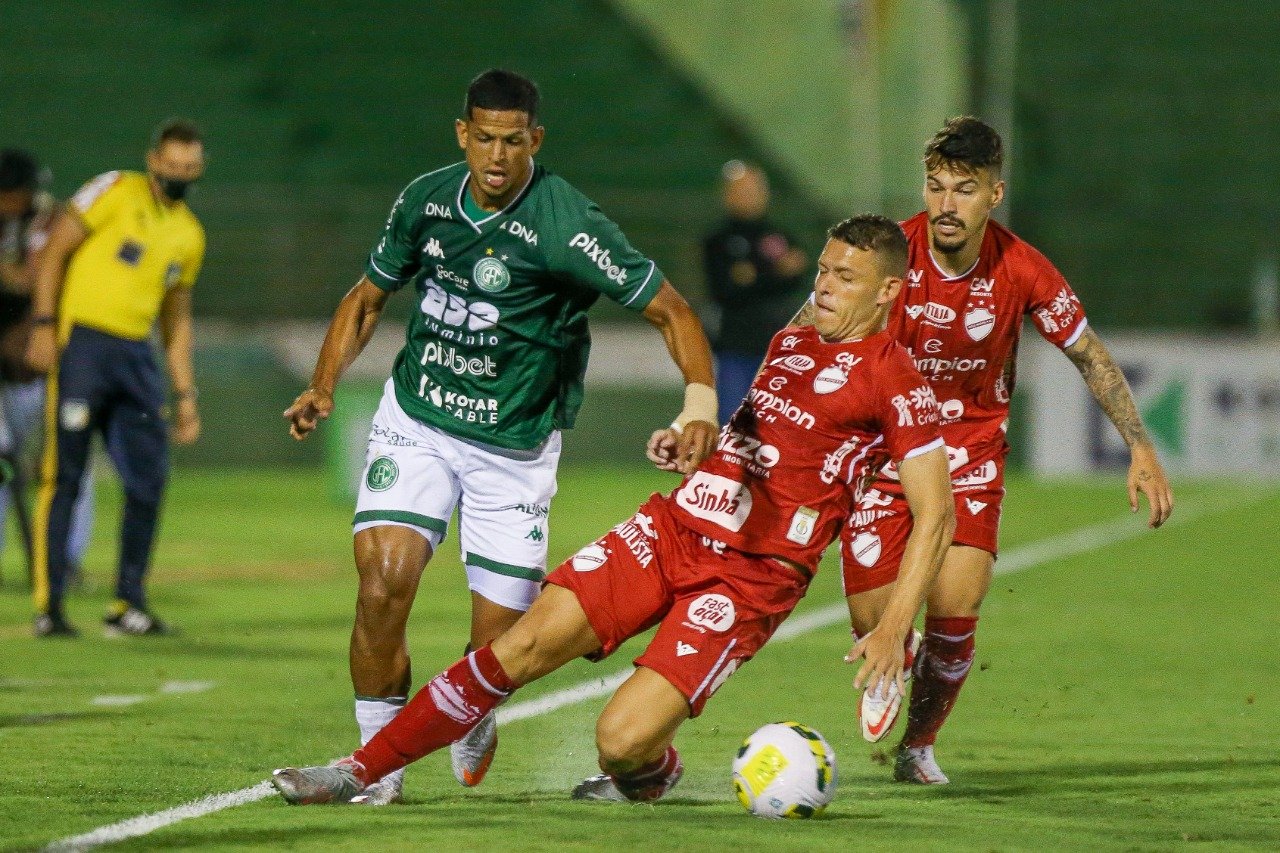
x,y
683,649
975,507
432,249
979,322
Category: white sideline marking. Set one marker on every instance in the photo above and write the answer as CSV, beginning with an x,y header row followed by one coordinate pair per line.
x,y
1069,544
117,701
187,686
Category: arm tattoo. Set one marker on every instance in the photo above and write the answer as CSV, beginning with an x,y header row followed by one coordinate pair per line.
x,y
1107,384
803,317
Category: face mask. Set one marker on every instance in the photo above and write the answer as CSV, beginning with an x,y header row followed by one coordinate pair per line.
x,y
175,189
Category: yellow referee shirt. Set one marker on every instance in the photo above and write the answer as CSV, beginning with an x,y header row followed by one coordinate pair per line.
x,y
136,250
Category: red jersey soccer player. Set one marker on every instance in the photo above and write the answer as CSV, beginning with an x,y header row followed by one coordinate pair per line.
x,y
719,563
969,283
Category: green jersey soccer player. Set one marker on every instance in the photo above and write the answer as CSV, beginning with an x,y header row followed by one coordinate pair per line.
x,y
504,259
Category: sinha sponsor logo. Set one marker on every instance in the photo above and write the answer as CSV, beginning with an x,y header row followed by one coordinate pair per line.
x,y
794,363
599,256
935,366
716,499
436,352
524,233
440,211
939,314
765,402
713,611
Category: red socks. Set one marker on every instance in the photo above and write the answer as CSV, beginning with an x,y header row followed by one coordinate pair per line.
x,y
652,780
941,668
443,711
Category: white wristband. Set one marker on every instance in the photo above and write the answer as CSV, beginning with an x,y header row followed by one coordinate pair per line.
x,y
699,405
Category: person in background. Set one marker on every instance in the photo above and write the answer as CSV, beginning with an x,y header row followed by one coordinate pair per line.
x,y
123,258
27,212
754,274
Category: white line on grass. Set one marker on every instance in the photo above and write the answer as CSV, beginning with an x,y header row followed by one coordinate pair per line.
x,y
1069,544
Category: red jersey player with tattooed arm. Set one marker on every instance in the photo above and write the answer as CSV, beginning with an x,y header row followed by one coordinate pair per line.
x,y
970,281
719,563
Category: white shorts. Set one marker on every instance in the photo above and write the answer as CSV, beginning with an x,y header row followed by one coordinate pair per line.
x,y
415,475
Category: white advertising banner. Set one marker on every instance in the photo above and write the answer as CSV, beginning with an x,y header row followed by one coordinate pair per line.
x,y
1210,405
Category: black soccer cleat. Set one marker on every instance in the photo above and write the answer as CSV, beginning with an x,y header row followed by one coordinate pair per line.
x,y
134,622
53,625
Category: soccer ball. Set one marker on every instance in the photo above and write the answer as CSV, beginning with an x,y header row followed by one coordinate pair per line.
x,y
785,770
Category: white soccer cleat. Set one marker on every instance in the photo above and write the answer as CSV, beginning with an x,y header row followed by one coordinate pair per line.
x,y
917,764
599,787
473,753
878,709
389,789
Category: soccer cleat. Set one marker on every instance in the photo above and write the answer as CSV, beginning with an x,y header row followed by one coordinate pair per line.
x,y
388,790
917,764
126,620
473,753
599,787
50,625
878,709
304,786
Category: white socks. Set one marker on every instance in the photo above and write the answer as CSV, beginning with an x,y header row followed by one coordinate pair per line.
x,y
371,716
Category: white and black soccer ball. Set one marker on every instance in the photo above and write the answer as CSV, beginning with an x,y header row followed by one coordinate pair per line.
x,y
785,770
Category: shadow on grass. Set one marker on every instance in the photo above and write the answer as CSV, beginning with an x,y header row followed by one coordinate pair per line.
x,y
17,721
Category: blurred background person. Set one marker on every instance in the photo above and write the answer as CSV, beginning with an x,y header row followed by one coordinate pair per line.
x,y
126,254
27,212
754,272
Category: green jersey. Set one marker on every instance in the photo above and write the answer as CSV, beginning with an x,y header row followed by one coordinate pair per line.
x,y
497,349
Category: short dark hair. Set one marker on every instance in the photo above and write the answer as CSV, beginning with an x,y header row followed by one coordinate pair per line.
x,y
875,233
175,130
19,170
965,144
497,89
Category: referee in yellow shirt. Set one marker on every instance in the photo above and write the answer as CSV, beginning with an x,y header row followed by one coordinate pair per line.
x,y
129,252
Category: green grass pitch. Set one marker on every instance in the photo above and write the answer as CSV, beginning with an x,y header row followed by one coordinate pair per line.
x,y
1125,697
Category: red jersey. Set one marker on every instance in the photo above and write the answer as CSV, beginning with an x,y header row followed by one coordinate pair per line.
x,y
963,333
818,423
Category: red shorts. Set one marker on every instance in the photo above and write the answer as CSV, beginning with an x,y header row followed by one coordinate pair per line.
x,y
872,543
714,606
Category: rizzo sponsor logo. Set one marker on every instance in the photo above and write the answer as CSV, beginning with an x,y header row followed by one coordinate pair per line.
x,y
437,352
748,451
766,403
599,256
717,499
713,611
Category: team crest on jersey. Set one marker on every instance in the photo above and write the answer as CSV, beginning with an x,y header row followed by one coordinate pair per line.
x,y
866,549
979,322
491,275
383,473
590,558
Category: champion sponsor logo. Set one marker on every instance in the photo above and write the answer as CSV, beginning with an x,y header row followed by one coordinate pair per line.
x,y
438,352
713,611
717,499
937,366
975,507
683,649
979,322
598,255
940,314
866,548
952,410
523,232
767,403
830,380
933,346
590,558
794,363
432,249
440,211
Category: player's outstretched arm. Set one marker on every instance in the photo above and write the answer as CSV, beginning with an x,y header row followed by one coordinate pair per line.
x,y
695,427
349,332
927,485
1108,386
67,235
